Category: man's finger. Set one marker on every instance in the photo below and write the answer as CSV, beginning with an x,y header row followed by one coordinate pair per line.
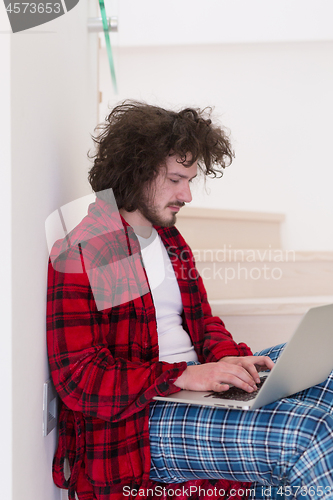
x,y
254,373
221,387
240,374
241,379
264,361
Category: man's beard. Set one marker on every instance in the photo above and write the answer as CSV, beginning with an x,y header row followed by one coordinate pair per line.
x,y
151,214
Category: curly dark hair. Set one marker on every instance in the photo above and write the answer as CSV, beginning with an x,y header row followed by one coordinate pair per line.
x,y
137,138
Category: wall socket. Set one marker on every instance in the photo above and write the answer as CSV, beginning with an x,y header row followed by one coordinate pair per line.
x,y
50,407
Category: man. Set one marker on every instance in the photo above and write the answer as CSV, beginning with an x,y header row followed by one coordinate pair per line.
x,y
128,319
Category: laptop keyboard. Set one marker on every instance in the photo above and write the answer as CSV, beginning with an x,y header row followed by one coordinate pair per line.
x,y
236,393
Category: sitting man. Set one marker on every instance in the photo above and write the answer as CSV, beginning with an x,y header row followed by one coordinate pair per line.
x,y
128,319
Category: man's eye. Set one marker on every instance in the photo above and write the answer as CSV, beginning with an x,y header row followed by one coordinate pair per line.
x,y
174,181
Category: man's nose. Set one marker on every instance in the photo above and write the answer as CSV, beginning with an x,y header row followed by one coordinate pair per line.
x,y
185,194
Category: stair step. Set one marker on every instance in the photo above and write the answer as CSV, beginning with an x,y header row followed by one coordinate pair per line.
x,y
264,322
214,228
246,273
268,305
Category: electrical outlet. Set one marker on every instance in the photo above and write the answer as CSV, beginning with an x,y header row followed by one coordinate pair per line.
x,y
50,407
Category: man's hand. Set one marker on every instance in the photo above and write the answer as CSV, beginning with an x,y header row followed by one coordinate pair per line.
x,y
251,364
238,371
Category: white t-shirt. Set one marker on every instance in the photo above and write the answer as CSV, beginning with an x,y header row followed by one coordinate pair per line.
x,y
174,342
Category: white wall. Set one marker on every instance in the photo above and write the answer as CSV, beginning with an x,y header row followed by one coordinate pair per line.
x,y
277,101
190,22
5,267
53,110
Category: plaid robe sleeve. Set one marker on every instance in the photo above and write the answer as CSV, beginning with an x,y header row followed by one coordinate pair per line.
x,y
103,363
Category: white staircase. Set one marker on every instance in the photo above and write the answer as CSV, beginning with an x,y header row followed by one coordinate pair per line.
x,y
259,290
206,228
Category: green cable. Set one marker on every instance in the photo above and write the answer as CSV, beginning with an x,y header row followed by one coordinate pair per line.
x,y
108,44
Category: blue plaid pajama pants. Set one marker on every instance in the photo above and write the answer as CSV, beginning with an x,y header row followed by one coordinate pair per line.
x,y
284,448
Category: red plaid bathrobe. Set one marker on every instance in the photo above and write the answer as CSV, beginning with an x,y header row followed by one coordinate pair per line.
x,y
103,352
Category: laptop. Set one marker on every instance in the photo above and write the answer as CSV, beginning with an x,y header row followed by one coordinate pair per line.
x,y
306,360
